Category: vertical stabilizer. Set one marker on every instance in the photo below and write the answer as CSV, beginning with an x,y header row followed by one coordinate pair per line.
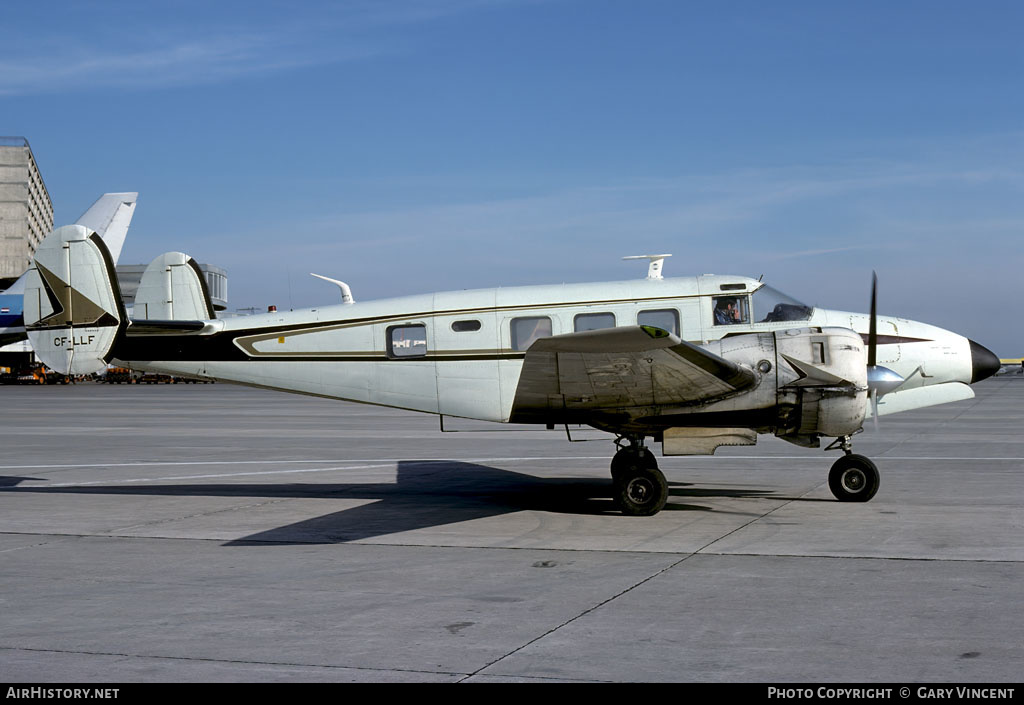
x,y
173,289
109,217
73,309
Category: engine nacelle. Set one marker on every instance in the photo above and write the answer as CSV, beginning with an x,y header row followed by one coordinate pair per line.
x,y
822,380
813,383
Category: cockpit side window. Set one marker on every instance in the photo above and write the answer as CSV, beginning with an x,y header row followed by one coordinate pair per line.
x,y
771,305
730,310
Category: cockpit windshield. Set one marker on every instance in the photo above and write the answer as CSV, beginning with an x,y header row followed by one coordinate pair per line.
x,y
772,305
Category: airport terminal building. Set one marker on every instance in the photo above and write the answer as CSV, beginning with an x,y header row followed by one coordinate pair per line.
x,y
26,212
26,218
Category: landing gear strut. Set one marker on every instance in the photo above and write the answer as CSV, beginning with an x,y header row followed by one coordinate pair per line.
x,y
853,478
640,487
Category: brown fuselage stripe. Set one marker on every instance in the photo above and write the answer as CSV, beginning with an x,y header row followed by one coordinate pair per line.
x,y
260,334
237,345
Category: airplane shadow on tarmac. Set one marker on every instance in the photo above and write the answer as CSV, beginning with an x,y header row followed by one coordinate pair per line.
x,y
426,494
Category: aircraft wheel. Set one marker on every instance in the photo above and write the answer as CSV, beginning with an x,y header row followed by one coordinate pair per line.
x,y
640,491
627,457
853,478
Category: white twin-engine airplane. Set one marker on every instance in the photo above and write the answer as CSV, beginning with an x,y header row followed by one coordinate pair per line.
x,y
693,362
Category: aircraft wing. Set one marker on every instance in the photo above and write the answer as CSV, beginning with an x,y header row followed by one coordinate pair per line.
x,y
619,368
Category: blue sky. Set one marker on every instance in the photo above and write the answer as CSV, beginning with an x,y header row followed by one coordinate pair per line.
x,y
409,146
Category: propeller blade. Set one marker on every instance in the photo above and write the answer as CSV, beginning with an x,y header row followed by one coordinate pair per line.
x,y
874,408
873,328
881,380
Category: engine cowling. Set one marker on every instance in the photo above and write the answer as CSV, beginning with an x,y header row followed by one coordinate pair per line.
x,y
822,382
813,383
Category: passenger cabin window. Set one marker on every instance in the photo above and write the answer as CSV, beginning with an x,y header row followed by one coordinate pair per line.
x,y
729,310
593,321
664,318
528,329
407,341
465,326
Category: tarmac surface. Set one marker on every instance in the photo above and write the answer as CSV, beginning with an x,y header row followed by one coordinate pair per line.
x,y
211,533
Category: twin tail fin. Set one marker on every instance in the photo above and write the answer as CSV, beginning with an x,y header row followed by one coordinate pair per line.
x,y
72,308
74,314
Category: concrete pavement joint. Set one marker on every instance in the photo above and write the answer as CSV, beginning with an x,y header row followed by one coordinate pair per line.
x,y
757,518
378,544
22,548
213,512
286,664
579,616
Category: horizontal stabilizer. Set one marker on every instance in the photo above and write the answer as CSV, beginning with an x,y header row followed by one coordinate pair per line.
x,y
173,288
158,327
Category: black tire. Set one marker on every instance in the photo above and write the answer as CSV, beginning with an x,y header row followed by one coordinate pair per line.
x,y
627,457
640,491
853,478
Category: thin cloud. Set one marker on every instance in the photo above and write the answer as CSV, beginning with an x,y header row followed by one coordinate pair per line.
x,y
815,253
155,52
193,62
686,207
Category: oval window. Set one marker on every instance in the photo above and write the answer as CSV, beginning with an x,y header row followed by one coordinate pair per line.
x,y
465,326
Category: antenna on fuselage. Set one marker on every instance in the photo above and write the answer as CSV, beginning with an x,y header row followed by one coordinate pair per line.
x,y
346,292
654,270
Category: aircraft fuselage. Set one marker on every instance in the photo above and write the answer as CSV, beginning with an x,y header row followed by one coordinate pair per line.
x,y
461,353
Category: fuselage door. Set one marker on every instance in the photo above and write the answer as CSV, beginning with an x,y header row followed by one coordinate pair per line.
x,y
466,347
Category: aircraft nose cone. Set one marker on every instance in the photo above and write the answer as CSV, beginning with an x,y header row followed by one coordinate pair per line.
x,y
984,363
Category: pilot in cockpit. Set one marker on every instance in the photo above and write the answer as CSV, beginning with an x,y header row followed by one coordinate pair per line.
x,y
726,311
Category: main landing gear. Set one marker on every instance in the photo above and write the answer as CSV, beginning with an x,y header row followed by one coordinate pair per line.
x,y
853,478
640,487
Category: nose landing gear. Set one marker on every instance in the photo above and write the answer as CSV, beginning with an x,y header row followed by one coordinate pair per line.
x,y
853,478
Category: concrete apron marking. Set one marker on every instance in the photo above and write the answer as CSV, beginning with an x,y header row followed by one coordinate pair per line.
x,y
148,463
379,463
